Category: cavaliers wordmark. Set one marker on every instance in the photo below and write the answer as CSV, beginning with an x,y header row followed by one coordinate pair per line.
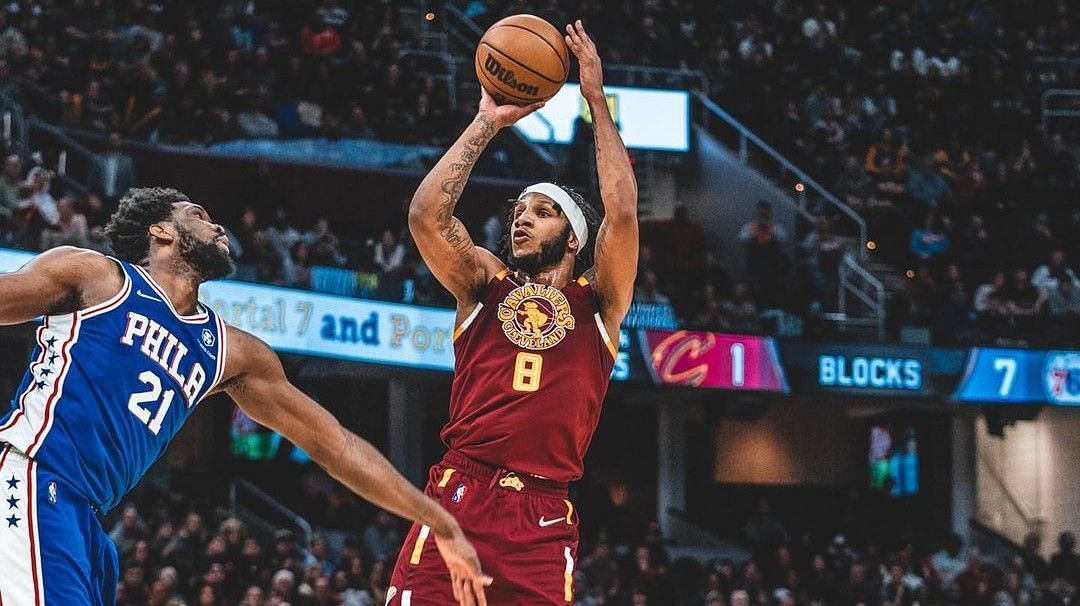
x,y
535,316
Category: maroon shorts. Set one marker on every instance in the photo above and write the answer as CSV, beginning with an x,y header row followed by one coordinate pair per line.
x,y
523,528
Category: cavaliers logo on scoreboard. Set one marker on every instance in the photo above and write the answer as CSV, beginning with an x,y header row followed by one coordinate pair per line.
x,y
1062,377
535,316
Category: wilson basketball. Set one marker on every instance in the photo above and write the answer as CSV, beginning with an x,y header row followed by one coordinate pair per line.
x,y
522,59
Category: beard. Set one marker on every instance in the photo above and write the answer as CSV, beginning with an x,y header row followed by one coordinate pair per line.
x,y
551,252
204,258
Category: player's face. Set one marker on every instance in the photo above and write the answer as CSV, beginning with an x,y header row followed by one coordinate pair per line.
x,y
202,244
539,233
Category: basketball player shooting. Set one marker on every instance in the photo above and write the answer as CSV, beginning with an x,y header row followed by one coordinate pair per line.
x,y
123,355
534,353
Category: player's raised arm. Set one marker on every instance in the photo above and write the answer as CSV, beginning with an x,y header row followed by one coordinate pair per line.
x,y
444,243
52,282
617,241
257,383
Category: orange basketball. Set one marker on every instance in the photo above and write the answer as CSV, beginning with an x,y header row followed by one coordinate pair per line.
x,y
522,59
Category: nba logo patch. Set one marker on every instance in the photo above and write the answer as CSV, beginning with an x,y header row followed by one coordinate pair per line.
x,y
459,493
52,492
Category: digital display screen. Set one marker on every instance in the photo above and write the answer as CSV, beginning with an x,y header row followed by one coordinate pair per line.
x,y
705,359
894,459
651,119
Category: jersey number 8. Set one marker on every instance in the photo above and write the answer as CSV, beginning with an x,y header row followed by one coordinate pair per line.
x,y
527,368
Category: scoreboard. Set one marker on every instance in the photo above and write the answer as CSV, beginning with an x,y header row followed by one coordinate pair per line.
x,y
1020,376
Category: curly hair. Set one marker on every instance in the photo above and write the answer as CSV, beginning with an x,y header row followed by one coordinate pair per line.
x,y
584,260
141,207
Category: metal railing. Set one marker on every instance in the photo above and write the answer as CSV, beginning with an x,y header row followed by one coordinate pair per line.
x,y
240,488
856,281
749,141
447,73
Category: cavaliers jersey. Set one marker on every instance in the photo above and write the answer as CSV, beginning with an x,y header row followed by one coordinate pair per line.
x,y
532,367
109,386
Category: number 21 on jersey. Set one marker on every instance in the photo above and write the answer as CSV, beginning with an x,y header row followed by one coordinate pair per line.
x,y
527,369
141,403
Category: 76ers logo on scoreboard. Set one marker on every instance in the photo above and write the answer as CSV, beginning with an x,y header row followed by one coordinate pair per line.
x,y
535,316
1062,376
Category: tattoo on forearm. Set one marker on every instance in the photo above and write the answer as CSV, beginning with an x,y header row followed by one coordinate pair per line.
x,y
454,183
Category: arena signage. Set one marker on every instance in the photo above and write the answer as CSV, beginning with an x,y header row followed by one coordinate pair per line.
x,y
1018,376
316,324
706,359
652,119
858,369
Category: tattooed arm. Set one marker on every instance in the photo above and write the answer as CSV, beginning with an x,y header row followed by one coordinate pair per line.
x,y
462,267
617,241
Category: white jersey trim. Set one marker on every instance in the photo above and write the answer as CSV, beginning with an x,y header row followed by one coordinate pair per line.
x,y
114,301
28,426
222,354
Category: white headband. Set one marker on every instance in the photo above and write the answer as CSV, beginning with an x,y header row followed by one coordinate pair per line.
x,y
568,206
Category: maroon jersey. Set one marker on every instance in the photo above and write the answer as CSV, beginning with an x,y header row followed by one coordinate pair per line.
x,y
532,367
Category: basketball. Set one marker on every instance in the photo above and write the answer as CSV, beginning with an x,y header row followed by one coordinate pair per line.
x,y
522,59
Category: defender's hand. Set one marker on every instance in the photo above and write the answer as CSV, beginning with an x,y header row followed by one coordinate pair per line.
x,y
461,560
590,67
504,115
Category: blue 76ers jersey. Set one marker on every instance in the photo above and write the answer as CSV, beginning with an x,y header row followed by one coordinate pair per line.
x,y
109,386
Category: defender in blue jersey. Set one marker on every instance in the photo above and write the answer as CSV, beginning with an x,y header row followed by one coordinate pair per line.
x,y
123,356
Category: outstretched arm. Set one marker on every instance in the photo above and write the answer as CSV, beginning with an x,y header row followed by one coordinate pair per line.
x,y
617,241
445,245
258,385
60,279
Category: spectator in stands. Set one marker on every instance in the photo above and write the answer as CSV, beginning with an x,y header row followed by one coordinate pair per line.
x,y
648,292
128,530
929,242
70,228
974,584
710,315
297,273
687,247
763,531
1065,564
38,210
822,251
854,186
950,561
766,262
10,185
283,586
1021,297
389,254
819,30
1051,274
282,235
739,312
379,582
885,160
927,186
112,173
382,538
602,571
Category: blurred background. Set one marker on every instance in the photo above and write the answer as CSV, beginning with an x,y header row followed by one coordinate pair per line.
x,y
852,365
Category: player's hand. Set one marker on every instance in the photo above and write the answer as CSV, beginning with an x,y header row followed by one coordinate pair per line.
x,y
590,67
507,114
461,560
